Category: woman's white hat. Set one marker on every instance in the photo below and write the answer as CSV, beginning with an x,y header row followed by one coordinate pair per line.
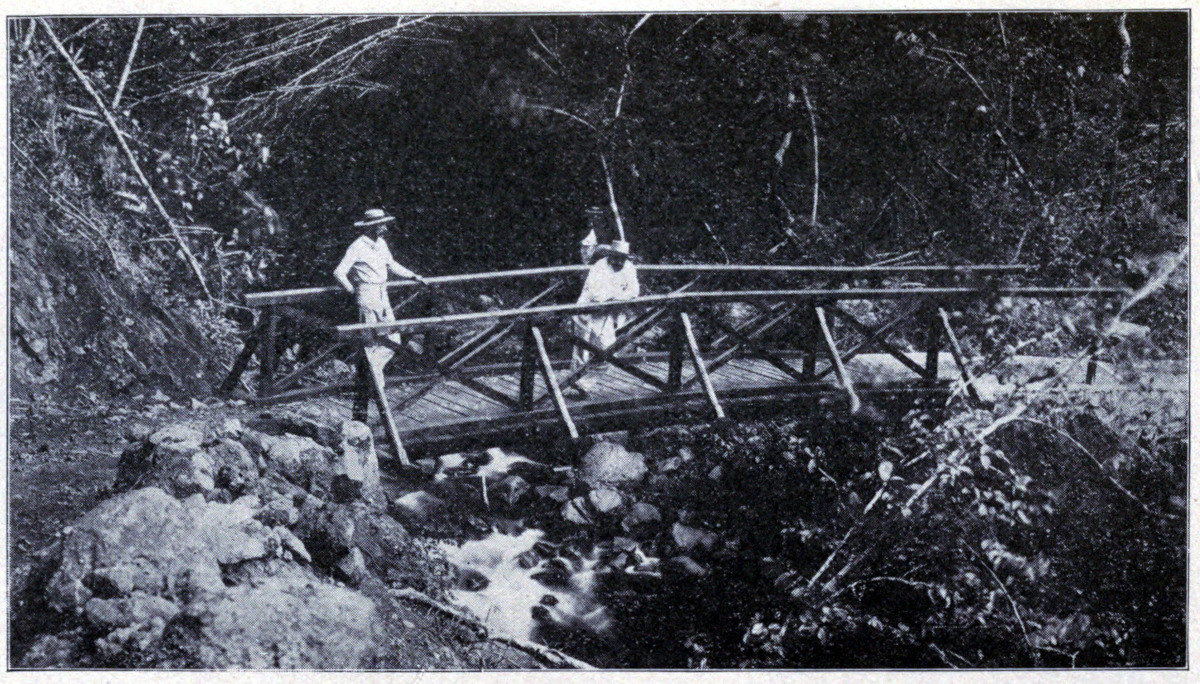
x,y
372,217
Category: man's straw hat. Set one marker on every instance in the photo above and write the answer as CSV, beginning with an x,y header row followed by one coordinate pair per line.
x,y
373,217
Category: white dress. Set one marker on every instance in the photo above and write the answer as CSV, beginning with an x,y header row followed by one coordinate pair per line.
x,y
603,284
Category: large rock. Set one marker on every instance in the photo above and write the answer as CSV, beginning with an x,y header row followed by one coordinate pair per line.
x,y
606,501
640,514
691,538
170,458
291,620
143,540
234,467
234,535
608,463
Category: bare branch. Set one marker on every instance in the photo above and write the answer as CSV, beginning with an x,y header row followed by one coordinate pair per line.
x,y
812,117
137,169
612,198
116,103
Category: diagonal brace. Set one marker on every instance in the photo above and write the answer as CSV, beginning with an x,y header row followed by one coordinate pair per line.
x,y
831,348
552,382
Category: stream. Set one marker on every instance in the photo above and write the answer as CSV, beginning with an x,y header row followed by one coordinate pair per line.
x,y
523,566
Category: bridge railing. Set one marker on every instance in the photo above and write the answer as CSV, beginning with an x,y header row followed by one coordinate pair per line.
x,y
785,323
306,317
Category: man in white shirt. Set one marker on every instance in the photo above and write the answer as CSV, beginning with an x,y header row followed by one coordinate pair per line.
x,y
611,278
363,272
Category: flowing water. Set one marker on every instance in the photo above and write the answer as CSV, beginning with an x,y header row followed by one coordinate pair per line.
x,y
513,576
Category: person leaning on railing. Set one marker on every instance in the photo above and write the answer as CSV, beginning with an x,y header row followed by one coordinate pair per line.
x,y
363,272
611,278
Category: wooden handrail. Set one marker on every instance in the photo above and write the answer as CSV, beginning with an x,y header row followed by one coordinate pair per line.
x,y
824,295
263,299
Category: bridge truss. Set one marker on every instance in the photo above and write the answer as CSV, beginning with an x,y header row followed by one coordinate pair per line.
x,y
716,339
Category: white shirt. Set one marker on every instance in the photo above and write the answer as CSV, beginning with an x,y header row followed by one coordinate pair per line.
x,y
368,261
603,284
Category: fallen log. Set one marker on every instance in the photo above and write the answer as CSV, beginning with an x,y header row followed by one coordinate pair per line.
x,y
544,654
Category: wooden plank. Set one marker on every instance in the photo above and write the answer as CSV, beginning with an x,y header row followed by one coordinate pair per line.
x,y
744,339
765,371
627,335
759,350
862,346
843,376
675,360
552,382
261,299
385,411
959,358
454,374
242,360
698,364
557,311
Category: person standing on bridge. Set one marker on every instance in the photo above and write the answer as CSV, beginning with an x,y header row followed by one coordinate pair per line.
x,y
363,272
612,278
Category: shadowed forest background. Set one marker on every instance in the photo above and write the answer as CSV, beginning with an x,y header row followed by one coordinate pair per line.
x,y
1052,139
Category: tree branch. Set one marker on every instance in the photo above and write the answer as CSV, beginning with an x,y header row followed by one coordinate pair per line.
x,y
812,117
116,103
137,169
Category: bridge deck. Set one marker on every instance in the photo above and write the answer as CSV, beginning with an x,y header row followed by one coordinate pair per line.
x,y
454,415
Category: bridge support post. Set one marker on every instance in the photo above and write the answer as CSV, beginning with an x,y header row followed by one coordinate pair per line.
x,y
933,342
362,386
675,361
529,367
959,358
836,360
552,382
266,377
811,331
243,359
685,325
385,412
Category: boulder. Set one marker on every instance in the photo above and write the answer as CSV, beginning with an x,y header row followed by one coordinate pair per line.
x,y
235,536
609,463
689,538
575,511
291,620
512,488
280,511
291,543
554,492
137,609
606,501
683,567
640,514
352,568
234,467
419,508
177,434
319,430
141,540
296,458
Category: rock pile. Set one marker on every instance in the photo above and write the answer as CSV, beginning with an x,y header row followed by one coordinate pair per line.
x,y
225,547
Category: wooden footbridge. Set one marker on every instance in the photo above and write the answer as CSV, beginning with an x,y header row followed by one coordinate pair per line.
x,y
714,341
